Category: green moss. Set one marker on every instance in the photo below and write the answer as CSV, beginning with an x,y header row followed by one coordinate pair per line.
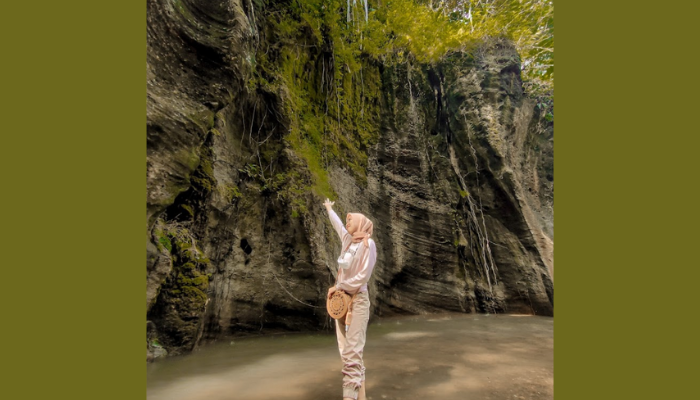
x,y
230,192
201,259
194,295
204,120
203,177
165,241
182,297
182,245
188,266
332,111
192,279
184,292
189,209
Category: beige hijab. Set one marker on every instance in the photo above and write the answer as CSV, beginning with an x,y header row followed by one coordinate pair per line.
x,y
363,232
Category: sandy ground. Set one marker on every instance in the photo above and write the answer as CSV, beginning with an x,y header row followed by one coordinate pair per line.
x,y
448,356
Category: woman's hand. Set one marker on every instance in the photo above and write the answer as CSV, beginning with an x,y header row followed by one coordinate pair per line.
x,y
328,203
331,291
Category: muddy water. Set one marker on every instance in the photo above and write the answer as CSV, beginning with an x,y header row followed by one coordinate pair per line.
x,y
446,356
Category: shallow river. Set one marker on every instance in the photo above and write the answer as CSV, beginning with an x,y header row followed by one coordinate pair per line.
x,y
446,357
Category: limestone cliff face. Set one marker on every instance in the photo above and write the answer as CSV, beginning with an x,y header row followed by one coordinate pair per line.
x,y
459,186
462,182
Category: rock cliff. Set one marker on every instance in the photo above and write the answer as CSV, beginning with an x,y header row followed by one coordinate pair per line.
x,y
457,177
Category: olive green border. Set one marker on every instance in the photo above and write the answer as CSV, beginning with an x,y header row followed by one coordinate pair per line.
x,y
73,129
73,97
625,166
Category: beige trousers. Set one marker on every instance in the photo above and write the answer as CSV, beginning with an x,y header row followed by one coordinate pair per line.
x,y
351,343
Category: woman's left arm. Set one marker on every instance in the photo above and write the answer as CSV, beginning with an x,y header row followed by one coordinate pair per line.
x,y
355,283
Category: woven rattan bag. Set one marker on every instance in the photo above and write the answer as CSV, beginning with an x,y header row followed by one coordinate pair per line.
x,y
338,304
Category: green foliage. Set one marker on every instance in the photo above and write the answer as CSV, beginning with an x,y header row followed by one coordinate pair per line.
x,y
545,107
326,70
251,170
265,184
529,24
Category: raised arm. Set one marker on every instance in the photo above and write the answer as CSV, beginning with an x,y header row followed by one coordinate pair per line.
x,y
354,283
335,220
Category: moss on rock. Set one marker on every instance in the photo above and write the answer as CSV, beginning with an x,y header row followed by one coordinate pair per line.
x,y
182,298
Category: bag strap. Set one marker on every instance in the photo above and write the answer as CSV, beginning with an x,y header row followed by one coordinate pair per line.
x,y
338,274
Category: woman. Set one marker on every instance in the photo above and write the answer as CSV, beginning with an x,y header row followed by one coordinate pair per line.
x,y
356,263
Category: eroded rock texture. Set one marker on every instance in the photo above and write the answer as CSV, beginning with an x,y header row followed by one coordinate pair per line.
x,y
459,186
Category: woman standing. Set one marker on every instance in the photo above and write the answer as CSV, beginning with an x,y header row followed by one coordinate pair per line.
x,y
356,263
